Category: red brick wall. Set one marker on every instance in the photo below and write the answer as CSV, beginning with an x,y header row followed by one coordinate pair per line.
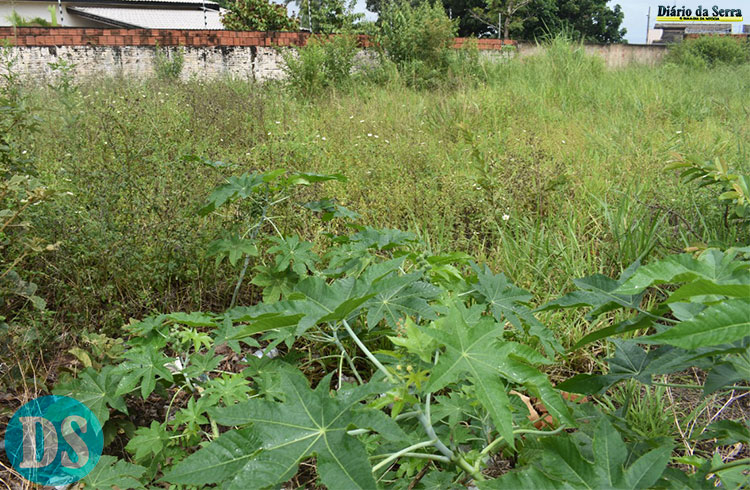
x,y
80,36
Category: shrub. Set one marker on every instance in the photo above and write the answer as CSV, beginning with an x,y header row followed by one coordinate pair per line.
x,y
324,62
168,65
708,51
417,38
258,15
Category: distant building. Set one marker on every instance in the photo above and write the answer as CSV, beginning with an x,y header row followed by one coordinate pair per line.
x,y
149,14
673,32
746,29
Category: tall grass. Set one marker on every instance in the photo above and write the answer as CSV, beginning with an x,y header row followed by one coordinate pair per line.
x,y
562,140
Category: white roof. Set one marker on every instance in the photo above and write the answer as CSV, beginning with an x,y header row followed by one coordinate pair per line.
x,y
154,18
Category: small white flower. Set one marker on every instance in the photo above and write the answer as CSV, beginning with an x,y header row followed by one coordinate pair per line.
x,y
369,134
377,136
387,141
70,193
23,152
351,117
323,138
679,132
269,133
563,142
278,122
362,121
506,217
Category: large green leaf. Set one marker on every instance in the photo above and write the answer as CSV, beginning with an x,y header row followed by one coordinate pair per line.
x,y
292,253
720,323
322,302
307,423
142,367
399,297
112,473
562,460
508,302
475,348
235,188
713,266
600,292
224,458
96,390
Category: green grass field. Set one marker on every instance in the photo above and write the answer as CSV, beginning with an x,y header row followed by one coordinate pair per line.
x,y
546,169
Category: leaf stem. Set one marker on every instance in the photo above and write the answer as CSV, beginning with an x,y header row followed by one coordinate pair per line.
x,y
348,358
699,387
499,439
398,454
367,352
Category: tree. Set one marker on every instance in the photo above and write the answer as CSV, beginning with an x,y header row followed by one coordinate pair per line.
x,y
258,15
589,20
327,16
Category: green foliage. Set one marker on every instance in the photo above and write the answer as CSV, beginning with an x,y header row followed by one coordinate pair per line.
x,y
417,39
17,20
324,62
258,15
709,51
168,63
327,16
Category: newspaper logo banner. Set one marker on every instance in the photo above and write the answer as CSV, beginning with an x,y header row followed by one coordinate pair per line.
x,y
715,13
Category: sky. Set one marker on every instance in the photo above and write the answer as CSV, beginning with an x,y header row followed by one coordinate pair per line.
x,y
635,13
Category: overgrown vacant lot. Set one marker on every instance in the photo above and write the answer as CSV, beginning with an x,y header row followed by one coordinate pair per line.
x,y
547,170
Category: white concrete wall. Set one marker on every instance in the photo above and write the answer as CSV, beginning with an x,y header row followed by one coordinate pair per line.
x,y
257,63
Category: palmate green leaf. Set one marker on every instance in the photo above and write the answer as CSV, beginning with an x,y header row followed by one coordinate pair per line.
x,y
148,441
293,253
382,238
631,361
222,459
141,367
330,210
96,390
399,297
473,347
720,323
233,248
305,178
713,266
472,350
194,319
308,423
508,302
235,188
322,302
600,292
112,473
562,461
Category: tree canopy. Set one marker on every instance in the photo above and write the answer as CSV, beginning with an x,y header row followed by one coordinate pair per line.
x,y
589,20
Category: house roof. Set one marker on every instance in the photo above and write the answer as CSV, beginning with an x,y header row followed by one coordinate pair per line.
x,y
210,4
152,18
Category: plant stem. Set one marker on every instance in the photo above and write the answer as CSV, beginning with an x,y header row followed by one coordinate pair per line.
x,y
367,352
245,264
497,441
348,358
699,387
398,454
